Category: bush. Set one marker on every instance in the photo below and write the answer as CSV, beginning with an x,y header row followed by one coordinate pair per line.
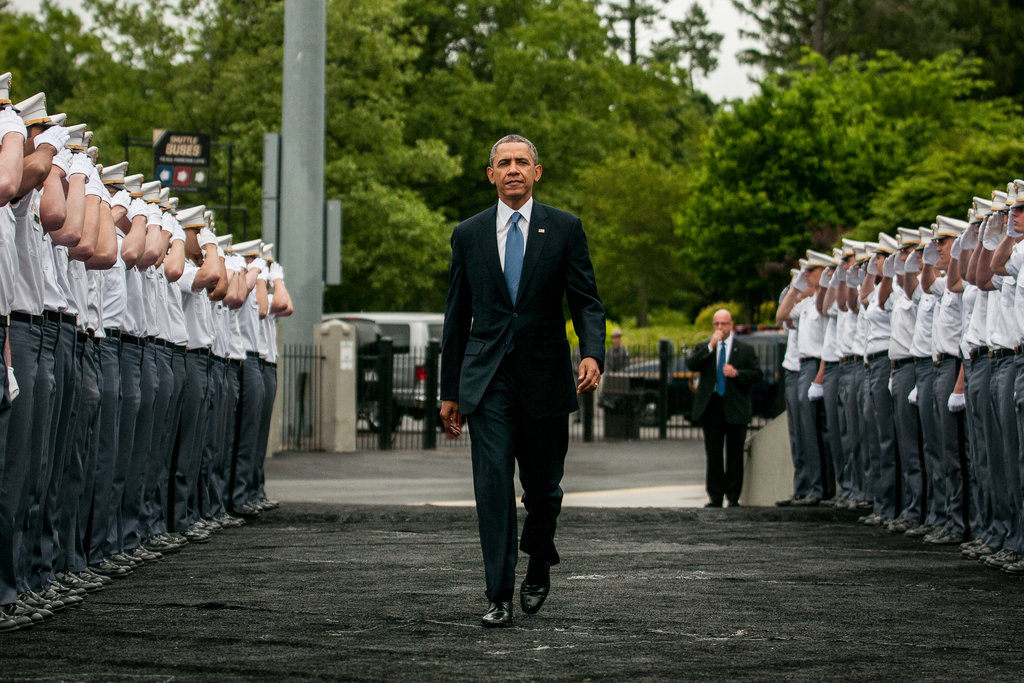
x,y
704,318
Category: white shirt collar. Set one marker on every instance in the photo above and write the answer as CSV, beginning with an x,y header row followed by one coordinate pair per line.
x,y
505,213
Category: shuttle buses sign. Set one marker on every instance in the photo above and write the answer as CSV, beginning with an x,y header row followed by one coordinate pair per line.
x,y
182,160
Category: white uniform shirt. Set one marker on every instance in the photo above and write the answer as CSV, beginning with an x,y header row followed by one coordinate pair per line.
x,y
1001,323
196,308
221,329
923,344
901,323
135,306
115,293
860,340
8,258
878,323
977,326
811,326
175,313
54,298
846,331
830,347
947,328
237,346
94,308
249,321
28,238
791,361
62,266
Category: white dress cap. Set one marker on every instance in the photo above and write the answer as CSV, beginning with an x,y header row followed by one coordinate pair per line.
x,y
151,192
926,237
816,259
224,242
250,248
114,175
33,110
192,217
133,185
949,227
58,119
998,200
908,237
76,134
887,244
982,207
5,88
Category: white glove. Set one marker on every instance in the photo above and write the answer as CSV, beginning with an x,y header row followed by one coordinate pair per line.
x,y
842,274
900,265
912,396
10,122
156,216
815,392
855,278
958,244
1012,222
956,403
12,383
235,263
276,272
94,185
64,161
889,266
873,266
137,207
121,198
258,263
79,163
994,231
264,275
890,387
55,136
931,254
833,282
177,232
913,262
206,237
969,240
825,278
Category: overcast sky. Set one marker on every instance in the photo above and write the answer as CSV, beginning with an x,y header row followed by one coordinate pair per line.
x,y
730,80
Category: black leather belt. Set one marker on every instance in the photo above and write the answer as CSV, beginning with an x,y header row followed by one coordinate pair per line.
x,y
269,364
52,316
112,332
939,357
979,352
830,363
901,362
3,321
1000,353
161,342
132,339
872,356
237,362
27,318
252,354
852,359
199,352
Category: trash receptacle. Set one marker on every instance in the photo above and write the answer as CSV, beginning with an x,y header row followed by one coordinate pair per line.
x,y
622,400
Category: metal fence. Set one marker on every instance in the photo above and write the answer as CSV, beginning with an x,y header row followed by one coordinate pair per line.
x,y
300,391
649,397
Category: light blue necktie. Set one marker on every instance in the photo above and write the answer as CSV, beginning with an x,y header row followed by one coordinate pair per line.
x,y
720,384
514,256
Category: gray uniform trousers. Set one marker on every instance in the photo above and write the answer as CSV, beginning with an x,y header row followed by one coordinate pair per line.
x,y
131,399
835,460
931,444
977,380
135,485
87,430
151,523
951,437
220,477
269,372
8,466
881,418
801,484
57,506
850,476
908,428
1017,541
213,440
1005,472
188,453
250,410
808,428
170,438
105,502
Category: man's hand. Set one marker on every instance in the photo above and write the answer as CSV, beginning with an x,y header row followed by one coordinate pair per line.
x,y
451,419
716,337
589,376
729,371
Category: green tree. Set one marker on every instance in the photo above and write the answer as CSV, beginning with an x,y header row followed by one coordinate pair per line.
x,y
801,163
634,14
692,44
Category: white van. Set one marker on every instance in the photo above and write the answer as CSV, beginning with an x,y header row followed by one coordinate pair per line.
x,y
410,335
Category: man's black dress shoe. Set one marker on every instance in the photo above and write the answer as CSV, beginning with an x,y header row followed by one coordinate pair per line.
x,y
532,596
498,615
734,503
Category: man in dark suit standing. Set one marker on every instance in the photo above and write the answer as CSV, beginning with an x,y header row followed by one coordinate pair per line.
x,y
505,366
728,370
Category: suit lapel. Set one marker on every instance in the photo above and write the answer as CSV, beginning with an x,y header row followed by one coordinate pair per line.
x,y
488,244
538,232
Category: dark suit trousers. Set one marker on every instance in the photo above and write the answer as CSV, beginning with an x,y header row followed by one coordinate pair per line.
x,y
723,481
503,434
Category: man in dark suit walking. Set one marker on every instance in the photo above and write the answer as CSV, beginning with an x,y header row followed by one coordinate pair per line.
x,y
505,366
728,370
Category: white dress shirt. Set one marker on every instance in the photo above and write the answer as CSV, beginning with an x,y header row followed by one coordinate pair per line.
x,y
503,222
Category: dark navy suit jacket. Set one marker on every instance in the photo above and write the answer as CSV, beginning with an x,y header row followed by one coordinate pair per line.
x,y
481,320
